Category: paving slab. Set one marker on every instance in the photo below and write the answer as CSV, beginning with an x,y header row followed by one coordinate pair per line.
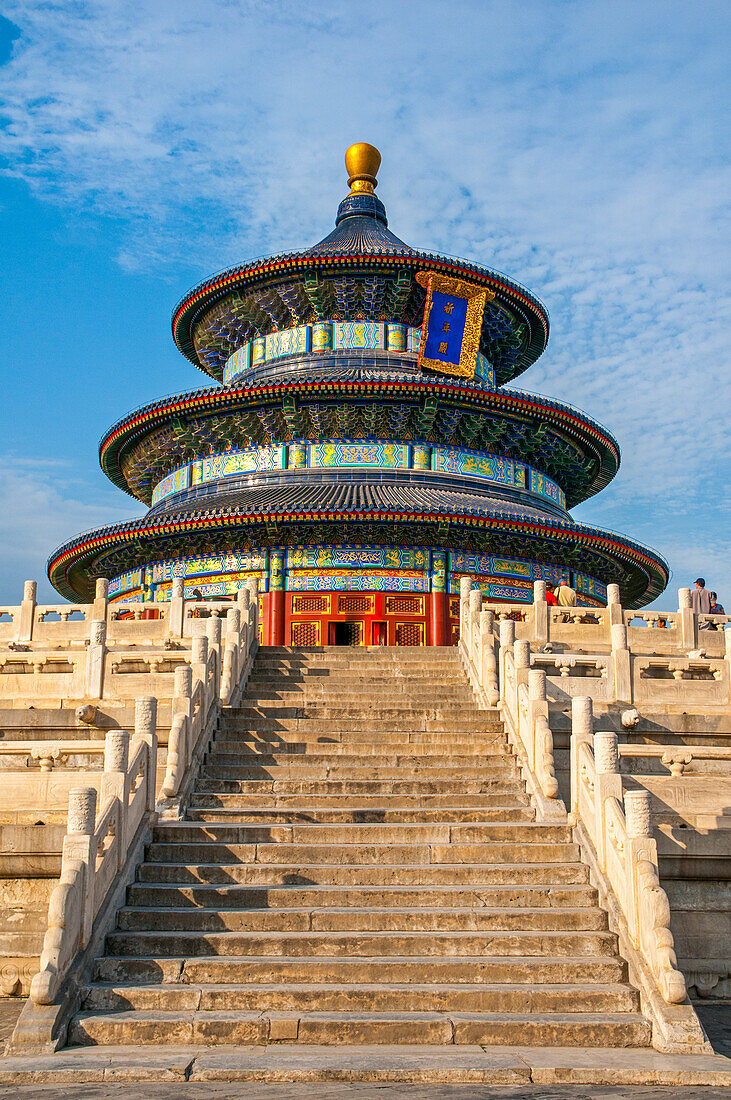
x,y
380,1065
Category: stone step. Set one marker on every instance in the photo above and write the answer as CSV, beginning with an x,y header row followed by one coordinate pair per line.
x,y
474,875
158,971
384,759
331,653
353,855
494,767
361,944
322,1028
393,919
333,711
507,795
362,998
498,782
460,722
545,897
527,833
234,807
286,694
489,745
420,740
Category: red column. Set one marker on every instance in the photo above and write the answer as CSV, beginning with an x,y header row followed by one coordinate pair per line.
x,y
266,618
438,618
277,627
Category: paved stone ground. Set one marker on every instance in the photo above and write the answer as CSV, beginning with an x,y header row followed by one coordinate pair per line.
x,y
716,1019
10,1008
251,1091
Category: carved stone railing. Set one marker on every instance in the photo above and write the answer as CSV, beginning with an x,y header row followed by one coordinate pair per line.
x,y
614,832
614,829
73,624
505,679
96,846
101,850
216,676
591,629
598,652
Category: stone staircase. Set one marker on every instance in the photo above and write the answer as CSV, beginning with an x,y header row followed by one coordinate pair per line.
x,y
360,864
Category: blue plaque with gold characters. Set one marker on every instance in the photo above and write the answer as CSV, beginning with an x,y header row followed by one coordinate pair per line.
x,y
450,336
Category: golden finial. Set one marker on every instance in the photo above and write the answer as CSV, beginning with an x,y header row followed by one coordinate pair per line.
x,y
362,162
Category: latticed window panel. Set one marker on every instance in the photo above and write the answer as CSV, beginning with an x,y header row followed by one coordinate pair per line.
x,y
305,634
409,633
349,604
310,604
355,633
405,605
455,635
454,607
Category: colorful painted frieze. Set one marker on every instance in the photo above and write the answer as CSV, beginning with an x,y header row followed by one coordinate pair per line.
x,y
589,586
324,557
388,455
125,582
473,464
544,486
237,363
308,581
351,335
290,341
174,483
246,461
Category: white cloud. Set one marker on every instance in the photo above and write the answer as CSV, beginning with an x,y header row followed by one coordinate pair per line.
x,y
41,509
579,147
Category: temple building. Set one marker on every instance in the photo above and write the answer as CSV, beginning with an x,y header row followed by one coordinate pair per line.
x,y
328,461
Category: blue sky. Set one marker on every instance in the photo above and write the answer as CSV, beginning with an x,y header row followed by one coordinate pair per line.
x,y
582,147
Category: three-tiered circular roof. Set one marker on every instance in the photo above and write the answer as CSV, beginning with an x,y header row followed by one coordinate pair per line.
x,y
359,272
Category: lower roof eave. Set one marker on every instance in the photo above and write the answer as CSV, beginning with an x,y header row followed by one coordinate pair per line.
x,y
641,572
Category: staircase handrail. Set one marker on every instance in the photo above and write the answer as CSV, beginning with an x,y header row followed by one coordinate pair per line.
x,y
98,848
619,827
504,679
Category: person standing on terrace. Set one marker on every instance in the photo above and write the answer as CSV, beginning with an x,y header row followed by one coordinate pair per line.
x,y
565,594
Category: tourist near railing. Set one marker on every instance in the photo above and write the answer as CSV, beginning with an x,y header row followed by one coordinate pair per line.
x,y
613,829
101,849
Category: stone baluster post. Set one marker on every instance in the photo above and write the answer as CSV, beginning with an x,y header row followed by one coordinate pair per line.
x,y
537,706
488,671
115,784
146,730
27,614
541,625
473,627
199,658
641,846
582,732
79,844
183,704
615,611
243,602
688,621
100,606
176,612
521,654
213,634
233,628
507,640
465,587
96,659
608,785
252,583
621,664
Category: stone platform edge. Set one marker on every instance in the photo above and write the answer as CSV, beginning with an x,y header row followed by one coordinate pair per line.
x,y
423,1065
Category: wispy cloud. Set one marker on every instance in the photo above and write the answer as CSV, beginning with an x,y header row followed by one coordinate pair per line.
x,y
577,146
42,506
